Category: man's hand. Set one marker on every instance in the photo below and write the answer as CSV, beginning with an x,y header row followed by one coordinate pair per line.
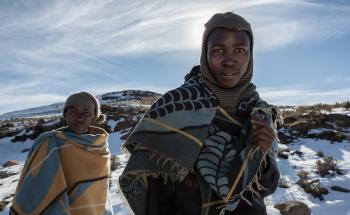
x,y
263,134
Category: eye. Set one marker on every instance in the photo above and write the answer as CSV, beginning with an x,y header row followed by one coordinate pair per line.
x,y
239,51
217,51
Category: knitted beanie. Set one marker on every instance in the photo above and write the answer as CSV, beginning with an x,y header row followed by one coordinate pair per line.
x,y
228,98
86,99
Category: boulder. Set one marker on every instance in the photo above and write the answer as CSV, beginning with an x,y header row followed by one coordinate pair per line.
x,y
10,163
283,154
293,208
340,189
3,205
4,174
299,128
332,135
125,125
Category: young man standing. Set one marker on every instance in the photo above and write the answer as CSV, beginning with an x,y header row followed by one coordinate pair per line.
x,y
67,170
206,147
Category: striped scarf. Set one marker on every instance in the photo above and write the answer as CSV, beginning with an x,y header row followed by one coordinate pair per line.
x,y
65,173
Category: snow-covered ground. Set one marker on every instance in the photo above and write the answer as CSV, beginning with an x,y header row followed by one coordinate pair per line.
x,y
335,202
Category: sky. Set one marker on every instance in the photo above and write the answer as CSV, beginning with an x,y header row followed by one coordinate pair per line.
x,y
52,48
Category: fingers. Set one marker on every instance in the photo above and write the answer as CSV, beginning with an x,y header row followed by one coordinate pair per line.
x,y
263,135
260,126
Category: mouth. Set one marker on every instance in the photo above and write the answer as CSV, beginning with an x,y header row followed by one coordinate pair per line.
x,y
229,74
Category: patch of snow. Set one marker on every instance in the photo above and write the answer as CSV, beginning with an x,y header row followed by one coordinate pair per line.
x,y
115,143
113,123
16,128
341,111
12,151
51,122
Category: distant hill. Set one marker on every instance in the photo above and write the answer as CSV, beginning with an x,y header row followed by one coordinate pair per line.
x,y
118,98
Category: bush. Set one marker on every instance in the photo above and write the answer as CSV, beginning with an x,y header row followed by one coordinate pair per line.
x,y
347,105
311,186
115,163
328,166
320,154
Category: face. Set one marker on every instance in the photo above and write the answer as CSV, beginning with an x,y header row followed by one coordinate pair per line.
x,y
228,54
78,118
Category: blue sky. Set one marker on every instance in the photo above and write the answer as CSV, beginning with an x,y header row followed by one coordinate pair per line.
x,y
50,49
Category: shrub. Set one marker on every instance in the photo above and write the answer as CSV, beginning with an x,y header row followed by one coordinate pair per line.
x,y
115,163
347,105
311,186
328,166
320,154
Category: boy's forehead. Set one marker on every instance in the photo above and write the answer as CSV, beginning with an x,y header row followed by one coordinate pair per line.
x,y
221,33
78,107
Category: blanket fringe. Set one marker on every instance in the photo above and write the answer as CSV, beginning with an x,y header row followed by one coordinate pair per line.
x,y
249,188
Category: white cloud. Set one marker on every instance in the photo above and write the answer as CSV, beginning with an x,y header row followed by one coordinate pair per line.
x,y
137,27
51,45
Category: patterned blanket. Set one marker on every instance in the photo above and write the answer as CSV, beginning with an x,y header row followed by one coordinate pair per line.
x,y
168,140
65,173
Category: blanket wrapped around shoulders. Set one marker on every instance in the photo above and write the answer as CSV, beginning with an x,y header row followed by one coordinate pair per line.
x,y
168,140
65,173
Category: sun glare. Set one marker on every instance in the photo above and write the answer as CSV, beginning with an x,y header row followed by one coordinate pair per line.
x,y
197,32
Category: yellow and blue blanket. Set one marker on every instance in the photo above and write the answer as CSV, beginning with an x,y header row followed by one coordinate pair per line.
x,y
65,173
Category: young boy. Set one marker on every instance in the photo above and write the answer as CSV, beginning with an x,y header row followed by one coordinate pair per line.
x,y
67,170
206,147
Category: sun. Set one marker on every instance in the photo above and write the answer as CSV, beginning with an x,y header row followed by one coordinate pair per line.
x,y
197,32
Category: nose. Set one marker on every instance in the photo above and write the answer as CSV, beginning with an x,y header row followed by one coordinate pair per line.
x,y
229,59
80,116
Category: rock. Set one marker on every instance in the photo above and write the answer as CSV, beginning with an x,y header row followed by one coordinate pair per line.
x,y
10,163
283,155
125,125
331,135
284,138
340,171
293,208
25,150
4,174
300,128
340,189
3,205
299,153
8,197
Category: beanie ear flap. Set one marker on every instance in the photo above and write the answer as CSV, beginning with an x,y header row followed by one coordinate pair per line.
x,y
100,119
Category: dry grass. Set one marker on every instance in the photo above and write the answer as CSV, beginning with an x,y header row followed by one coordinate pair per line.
x,y
115,162
328,166
311,186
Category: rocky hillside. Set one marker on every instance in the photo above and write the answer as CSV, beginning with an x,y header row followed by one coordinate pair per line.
x,y
313,153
